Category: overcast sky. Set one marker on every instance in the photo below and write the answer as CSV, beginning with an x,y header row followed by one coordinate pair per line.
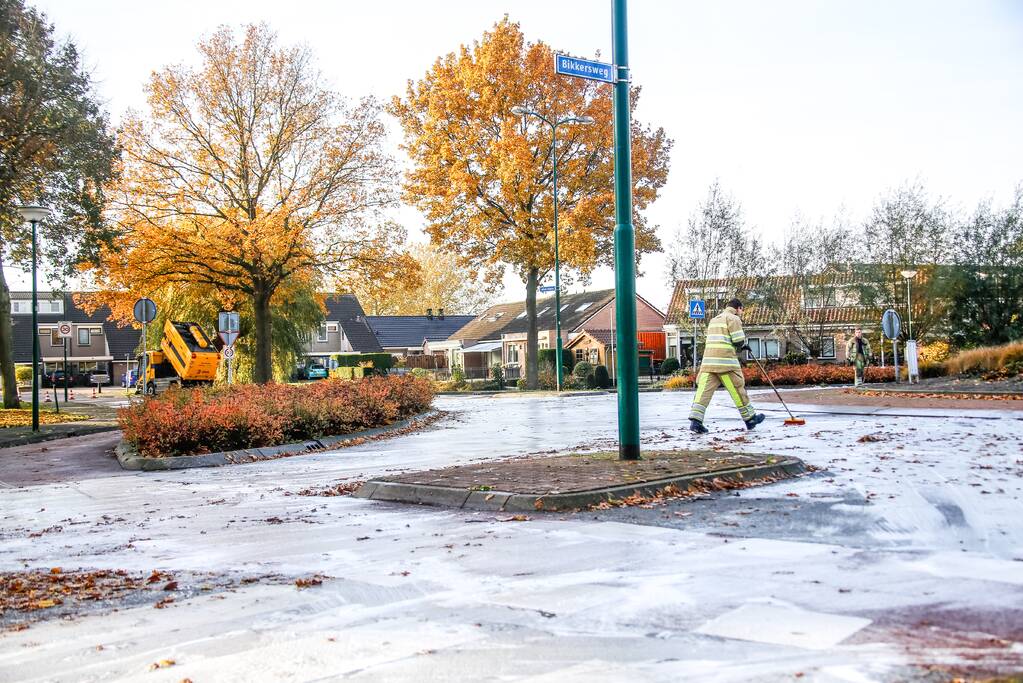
x,y
794,105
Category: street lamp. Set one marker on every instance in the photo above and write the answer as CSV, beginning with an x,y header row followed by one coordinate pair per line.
x,y
33,214
522,111
909,274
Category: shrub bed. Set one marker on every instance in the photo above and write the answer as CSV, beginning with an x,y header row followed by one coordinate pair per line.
x,y
794,375
196,421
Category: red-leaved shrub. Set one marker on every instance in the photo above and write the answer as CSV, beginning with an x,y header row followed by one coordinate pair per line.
x,y
794,375
194,421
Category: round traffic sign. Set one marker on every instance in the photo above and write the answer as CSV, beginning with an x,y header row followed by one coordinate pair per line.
x,y
228,352
891,323
145,310
64,329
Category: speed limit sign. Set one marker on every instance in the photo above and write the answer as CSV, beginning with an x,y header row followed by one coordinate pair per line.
x,y
64,329
228,352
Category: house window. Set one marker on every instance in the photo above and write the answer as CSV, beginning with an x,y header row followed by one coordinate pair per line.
x,y
827,347
513,353
321,333
583,307
754,345
21,306
55,338
594,356
580,355
84,336
521,315
772,349
543,311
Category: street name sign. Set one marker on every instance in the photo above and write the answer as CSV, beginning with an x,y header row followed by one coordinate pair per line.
x,y
547,289
584,68
64,329
891,323
145,310
697,309
229,327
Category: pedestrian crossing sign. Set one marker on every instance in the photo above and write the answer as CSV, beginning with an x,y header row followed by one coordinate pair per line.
x,y
697,309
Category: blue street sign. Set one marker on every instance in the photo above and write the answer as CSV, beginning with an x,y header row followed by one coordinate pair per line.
x,y
584,68
547,289
697,309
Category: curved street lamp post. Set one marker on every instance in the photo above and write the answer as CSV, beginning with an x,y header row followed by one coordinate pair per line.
x,y
33,214
522,111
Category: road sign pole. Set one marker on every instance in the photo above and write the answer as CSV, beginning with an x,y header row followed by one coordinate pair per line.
x,y
895,358
625,246
557,258
143,361
65,368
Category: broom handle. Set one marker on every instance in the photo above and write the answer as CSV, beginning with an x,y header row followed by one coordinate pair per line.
x,y
768,377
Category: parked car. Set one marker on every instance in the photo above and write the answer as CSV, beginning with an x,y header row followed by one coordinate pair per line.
x,y
315,371
56,379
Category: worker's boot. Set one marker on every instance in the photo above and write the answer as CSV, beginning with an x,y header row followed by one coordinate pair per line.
x,y
755,420
697,427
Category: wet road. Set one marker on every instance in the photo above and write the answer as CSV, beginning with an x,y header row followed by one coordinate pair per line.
x,y
902,556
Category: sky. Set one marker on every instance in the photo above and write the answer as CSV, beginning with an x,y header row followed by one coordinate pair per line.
x,y
807,106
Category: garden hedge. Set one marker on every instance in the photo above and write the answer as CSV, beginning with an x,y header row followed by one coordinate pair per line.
x,y
209,420
379,361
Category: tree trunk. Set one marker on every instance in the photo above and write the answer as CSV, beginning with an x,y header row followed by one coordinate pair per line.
x,y
7,373
532,347
262,371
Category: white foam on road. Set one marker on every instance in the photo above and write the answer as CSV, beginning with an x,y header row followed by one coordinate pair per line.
x,y
784,625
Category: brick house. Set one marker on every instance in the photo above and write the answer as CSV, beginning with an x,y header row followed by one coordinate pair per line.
x,y
343,330
498,335
780,316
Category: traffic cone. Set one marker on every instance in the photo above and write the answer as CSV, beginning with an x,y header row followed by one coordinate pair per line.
x,y
94,391
49,398
71,397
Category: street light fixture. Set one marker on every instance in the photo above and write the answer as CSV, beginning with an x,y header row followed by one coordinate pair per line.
x,y
909,274
33,214
585,120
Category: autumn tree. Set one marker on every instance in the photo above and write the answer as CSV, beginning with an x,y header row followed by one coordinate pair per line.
x,y
483,176
441,282
251,178
55,149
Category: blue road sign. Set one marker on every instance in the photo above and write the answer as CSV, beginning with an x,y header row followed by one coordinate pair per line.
x,y
547,289
697,309
584,68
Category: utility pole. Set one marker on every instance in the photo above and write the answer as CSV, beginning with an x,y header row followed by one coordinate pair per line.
x,y
625,245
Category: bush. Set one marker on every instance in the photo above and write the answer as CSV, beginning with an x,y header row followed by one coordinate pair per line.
x,y
795,359
990,361
348,373
583,373
669,366
457,374
497,374
678,382
23,373
932,369
194,421
601,378
547,356
380,362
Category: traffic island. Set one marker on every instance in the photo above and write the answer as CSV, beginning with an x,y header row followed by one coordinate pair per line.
x,y
579,481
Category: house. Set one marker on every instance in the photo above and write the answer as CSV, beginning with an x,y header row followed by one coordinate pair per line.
x,y
343,330
598,347
407,335
498,336
782,314
96,346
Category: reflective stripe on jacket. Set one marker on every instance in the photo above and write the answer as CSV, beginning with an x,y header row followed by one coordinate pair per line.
x,y
724,335
850,348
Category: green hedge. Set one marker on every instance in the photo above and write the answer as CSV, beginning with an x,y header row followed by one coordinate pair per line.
x,y
548,356
343,372
380,361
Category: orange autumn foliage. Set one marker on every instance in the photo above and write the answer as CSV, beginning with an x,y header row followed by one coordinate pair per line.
x,y
248,180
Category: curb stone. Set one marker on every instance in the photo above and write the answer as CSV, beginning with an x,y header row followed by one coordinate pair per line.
x,y
503,501
129,458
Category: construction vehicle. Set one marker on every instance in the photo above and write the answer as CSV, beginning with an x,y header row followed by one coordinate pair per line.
x,y
186,358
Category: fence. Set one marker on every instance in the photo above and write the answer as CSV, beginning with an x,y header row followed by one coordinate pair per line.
x,y
427,362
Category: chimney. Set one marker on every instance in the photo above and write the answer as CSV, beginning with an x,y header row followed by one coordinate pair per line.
x,y
429,314
440,313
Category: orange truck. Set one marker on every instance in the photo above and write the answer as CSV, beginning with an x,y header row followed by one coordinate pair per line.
x,y
186,357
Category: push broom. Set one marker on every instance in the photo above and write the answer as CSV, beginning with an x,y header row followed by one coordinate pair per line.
x,y
792,419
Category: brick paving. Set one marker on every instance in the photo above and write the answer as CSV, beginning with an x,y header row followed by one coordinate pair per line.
x,y
580,472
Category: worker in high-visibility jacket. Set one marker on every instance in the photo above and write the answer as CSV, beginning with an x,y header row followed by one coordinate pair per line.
x,y
721,367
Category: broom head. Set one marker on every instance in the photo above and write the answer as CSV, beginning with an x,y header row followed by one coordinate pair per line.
x,y
795,421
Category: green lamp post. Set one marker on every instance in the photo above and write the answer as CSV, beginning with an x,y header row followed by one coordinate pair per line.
x,y
33,215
